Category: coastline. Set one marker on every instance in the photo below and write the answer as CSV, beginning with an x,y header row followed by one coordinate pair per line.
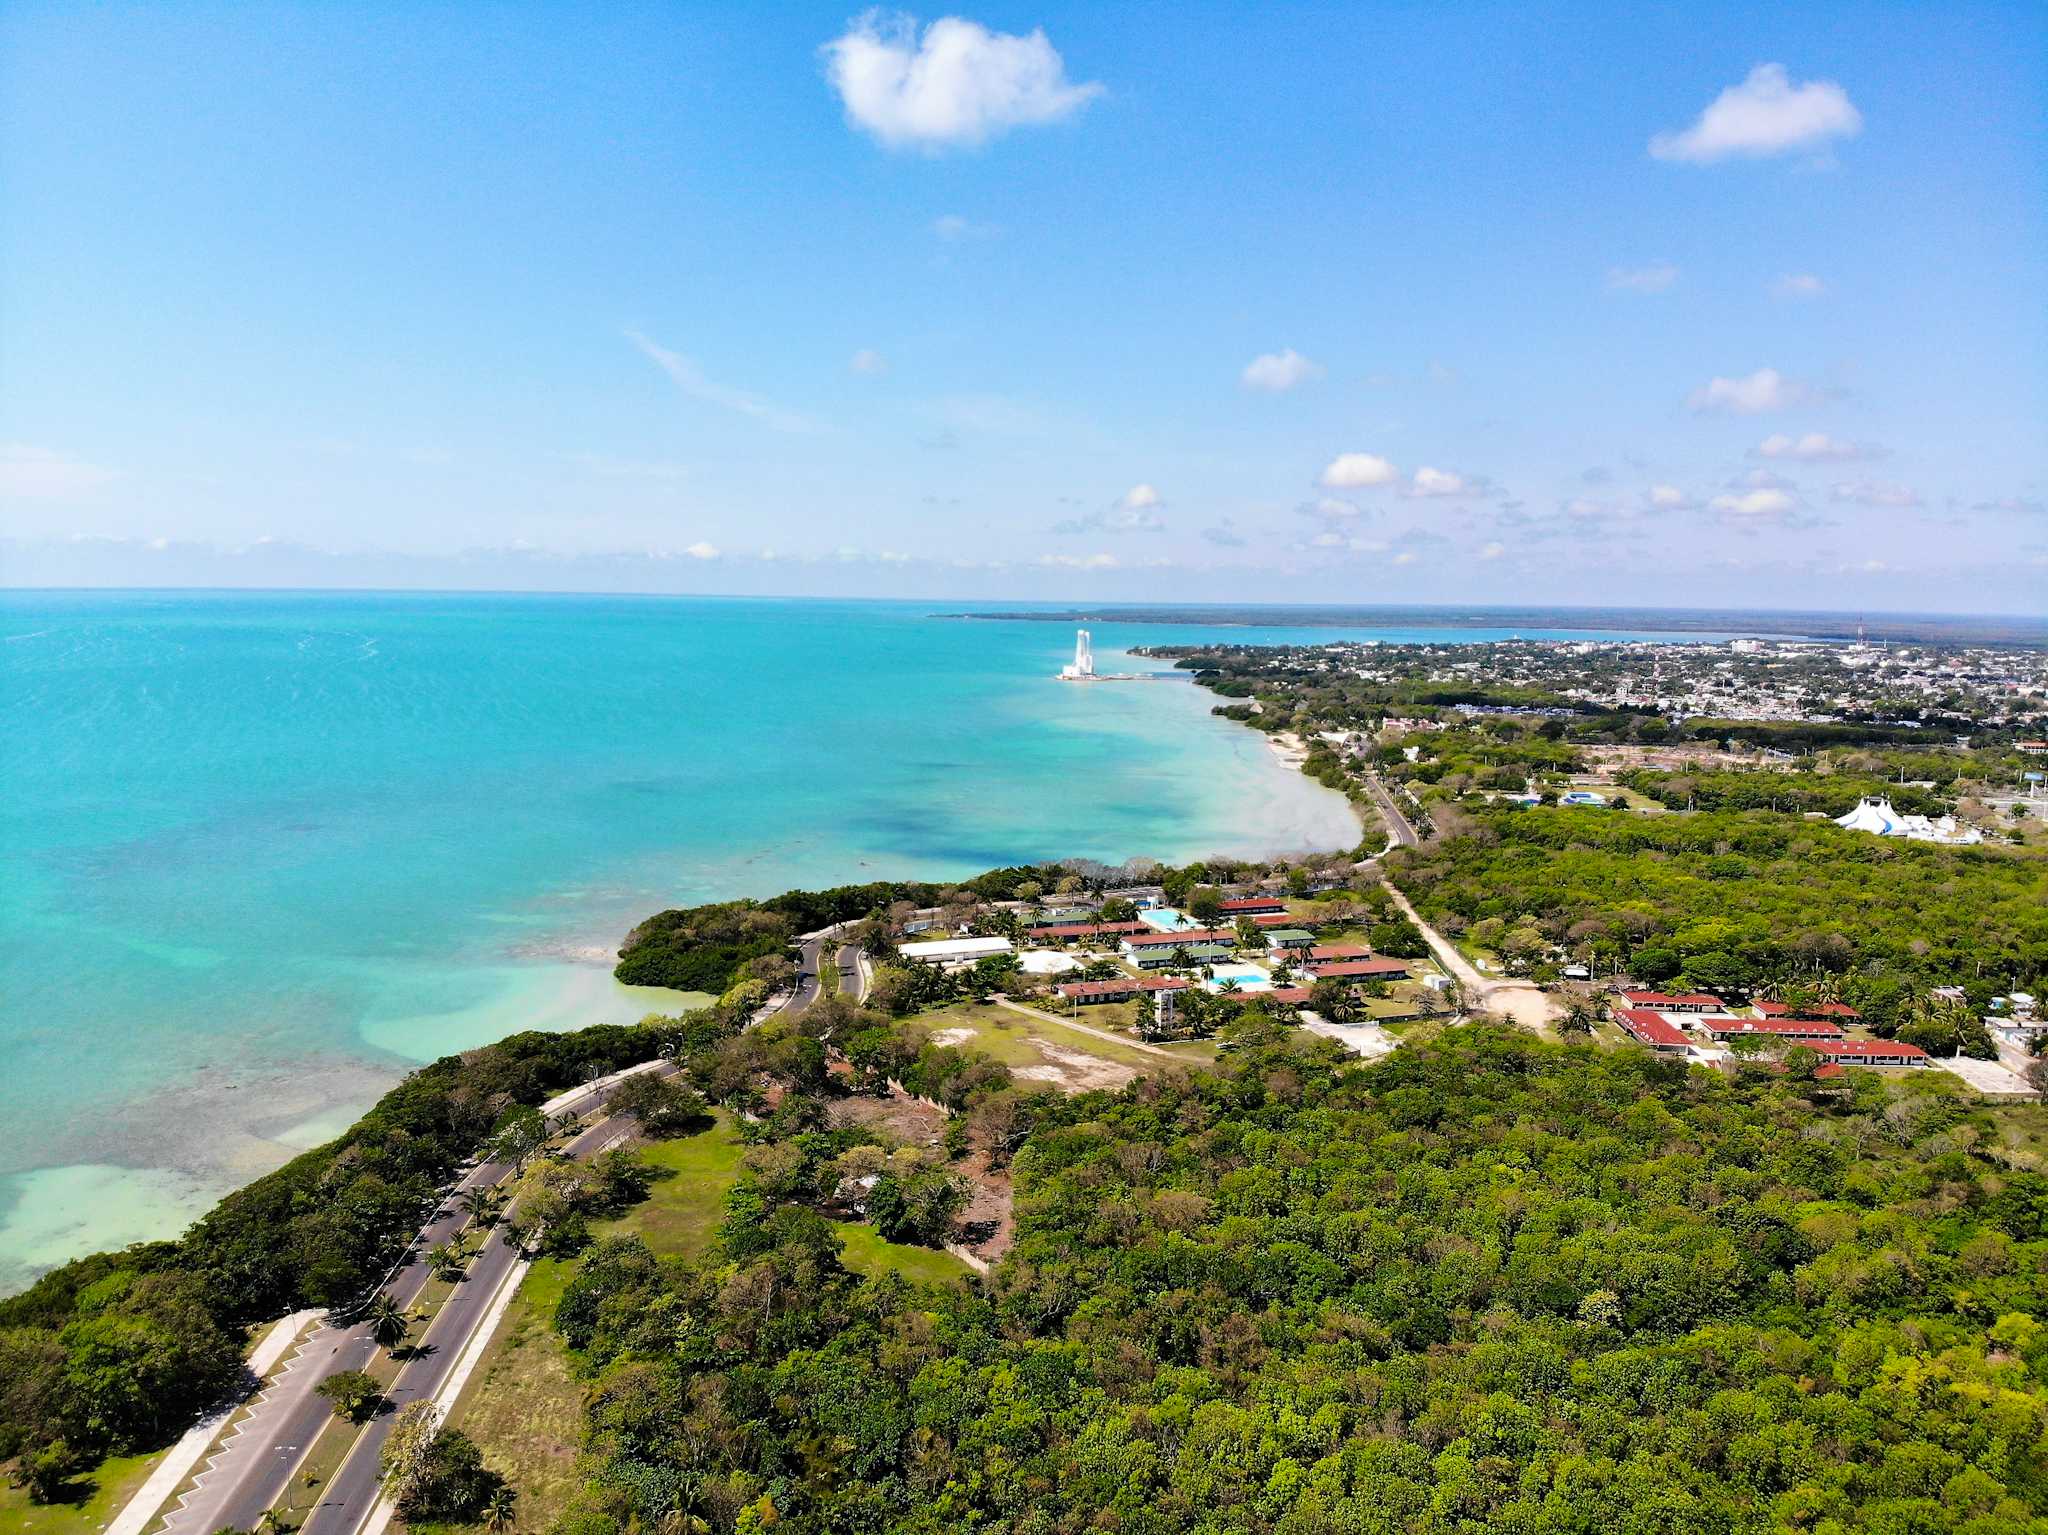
x,y
136,1153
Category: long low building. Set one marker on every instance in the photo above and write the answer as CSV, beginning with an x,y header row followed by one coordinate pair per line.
x,y
1060,930
1666,1002
1120,987
1360,970
953,951
1253,905
1340,951
1648,1028
1841,1010
1869,1052
1151,940
1158,957
1724,1027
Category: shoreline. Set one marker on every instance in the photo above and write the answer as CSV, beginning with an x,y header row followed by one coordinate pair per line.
x,y
562,980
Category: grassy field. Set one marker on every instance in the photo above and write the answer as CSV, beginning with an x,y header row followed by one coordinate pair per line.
x,y
112,1483
867,1253
682,1211
524,1406
1007,1036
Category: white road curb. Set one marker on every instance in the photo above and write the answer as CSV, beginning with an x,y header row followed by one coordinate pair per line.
x,y
185,1454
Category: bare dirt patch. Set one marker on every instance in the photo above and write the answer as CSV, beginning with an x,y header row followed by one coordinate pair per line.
x,y
898,1116
1075,1070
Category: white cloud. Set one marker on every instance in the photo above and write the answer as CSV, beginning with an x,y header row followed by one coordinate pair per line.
x,y
1798,285
2025,506
702,551
1765,115
1406,557
1438,482
1875,493
953,228
689,378
1754,503
1331,509
1139,497
1765,389
869,363
1492,551
1668,498
957,86
1080,561
1811,448
1278,372
41,474
1353,471
1655,278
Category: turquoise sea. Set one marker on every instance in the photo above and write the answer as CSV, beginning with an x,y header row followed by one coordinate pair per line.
x,y
263,852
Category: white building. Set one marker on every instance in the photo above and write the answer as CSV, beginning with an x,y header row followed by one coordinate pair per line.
x,y
950,952
1083,664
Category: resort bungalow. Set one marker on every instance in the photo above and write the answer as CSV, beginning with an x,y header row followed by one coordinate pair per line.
x,y
1138,942
1665,1002
1063,932
1291,938
1360,970
1160,956
1085,993
1870,1052
1646,1028
1724,1028
950,953
1839,1010
1253,906
1340,951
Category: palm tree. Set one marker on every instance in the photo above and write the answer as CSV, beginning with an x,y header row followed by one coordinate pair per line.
x,y
272,1523
477,1201
498,1509
387,1319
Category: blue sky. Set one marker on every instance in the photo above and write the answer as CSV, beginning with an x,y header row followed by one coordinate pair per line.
x,y
1714,304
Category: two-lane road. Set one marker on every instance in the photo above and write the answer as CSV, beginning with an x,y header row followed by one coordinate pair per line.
x,y
853,981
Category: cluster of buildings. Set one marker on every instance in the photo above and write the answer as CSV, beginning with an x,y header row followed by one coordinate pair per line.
x,y
1699,1024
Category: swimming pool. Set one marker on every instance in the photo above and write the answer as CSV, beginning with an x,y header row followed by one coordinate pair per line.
x,y
1248,978
1165,919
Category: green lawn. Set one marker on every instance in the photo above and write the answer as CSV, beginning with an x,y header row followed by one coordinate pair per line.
x,y
524,1407
867,1253
110,1485
682,1211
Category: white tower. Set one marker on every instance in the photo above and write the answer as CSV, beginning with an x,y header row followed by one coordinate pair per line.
x,y
1083,664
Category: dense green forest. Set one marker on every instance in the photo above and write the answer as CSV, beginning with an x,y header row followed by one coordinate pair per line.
x,y
1485,1284
1797,793
117,1352
1741,901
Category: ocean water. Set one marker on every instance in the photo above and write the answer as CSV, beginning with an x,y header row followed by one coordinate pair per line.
x,y
262,852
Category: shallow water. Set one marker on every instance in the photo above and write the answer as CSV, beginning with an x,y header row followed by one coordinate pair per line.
x,y
264,851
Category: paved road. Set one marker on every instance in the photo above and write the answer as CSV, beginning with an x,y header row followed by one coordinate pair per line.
x,y
251,1472
853,983
810,955
353,1490
1398,825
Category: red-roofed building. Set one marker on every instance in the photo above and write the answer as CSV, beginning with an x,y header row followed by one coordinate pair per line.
x,y
1088,930
1253,905
1282,919
1148,939
1082,993
1340,951
1817,1010
1772,1028
1287,996
1665,1002
1361,970
1646,1028
1870,1052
